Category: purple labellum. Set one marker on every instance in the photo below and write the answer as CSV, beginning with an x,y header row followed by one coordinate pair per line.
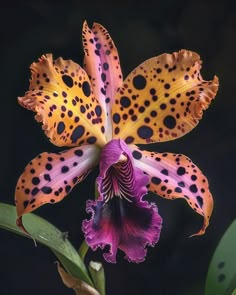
x,y
120,218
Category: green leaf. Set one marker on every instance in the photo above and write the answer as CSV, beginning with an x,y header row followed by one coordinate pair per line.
x,y
221,277
48,235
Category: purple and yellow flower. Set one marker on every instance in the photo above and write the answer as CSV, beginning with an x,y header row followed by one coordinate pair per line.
x,y
102,119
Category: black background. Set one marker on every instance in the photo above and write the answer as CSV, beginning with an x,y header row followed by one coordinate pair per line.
x,y
177,264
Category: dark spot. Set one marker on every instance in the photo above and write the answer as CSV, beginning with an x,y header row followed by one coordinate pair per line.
x,y
86,88
27,191
137,155
34,191
152,91
167,86
169,122
98,46
60,127
48,166
163,106
64,94
46,190
134,118
25,203
98,111
129,139
32,171
139,82
156,180
181,171
200,201
64,169
68,80
79,153
141,109
145,132
35,180
103,77
91,140
116,118
68,189
181,183
178,190
47,177
77,133
117,130
146,103
153,114
164,171
75,180
82,109
105,66
193,188
125,101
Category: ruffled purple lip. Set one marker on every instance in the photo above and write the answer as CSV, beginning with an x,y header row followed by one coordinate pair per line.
x,y
120,218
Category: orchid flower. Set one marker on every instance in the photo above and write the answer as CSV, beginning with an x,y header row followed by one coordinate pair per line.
x,y
102,119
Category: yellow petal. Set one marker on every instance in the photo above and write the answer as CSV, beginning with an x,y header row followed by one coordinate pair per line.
x,y
162,99
61,95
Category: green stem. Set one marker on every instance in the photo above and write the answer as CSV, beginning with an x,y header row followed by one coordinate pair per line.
x,y
83,249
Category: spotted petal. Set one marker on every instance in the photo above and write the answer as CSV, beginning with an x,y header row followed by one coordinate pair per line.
x,y
162,99
50,177
176,176
61,95
102,64
120,218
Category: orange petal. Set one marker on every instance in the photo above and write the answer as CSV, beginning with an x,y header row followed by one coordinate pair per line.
x,y
162,99
61,95
175,176
50,177
102,64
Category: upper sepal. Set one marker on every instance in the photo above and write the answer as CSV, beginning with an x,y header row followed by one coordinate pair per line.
x,y
102,64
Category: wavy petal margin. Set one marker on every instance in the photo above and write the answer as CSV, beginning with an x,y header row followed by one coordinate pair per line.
x,y
120,218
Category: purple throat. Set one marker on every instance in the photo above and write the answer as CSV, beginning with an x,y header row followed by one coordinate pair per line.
x,y
120,218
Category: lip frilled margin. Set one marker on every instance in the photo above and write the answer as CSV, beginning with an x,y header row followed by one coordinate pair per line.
x,y
121,218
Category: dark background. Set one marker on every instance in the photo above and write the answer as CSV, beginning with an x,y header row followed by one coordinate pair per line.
x,y
177,264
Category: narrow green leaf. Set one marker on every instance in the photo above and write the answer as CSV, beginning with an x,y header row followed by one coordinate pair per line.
x,y
221,277
48,235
